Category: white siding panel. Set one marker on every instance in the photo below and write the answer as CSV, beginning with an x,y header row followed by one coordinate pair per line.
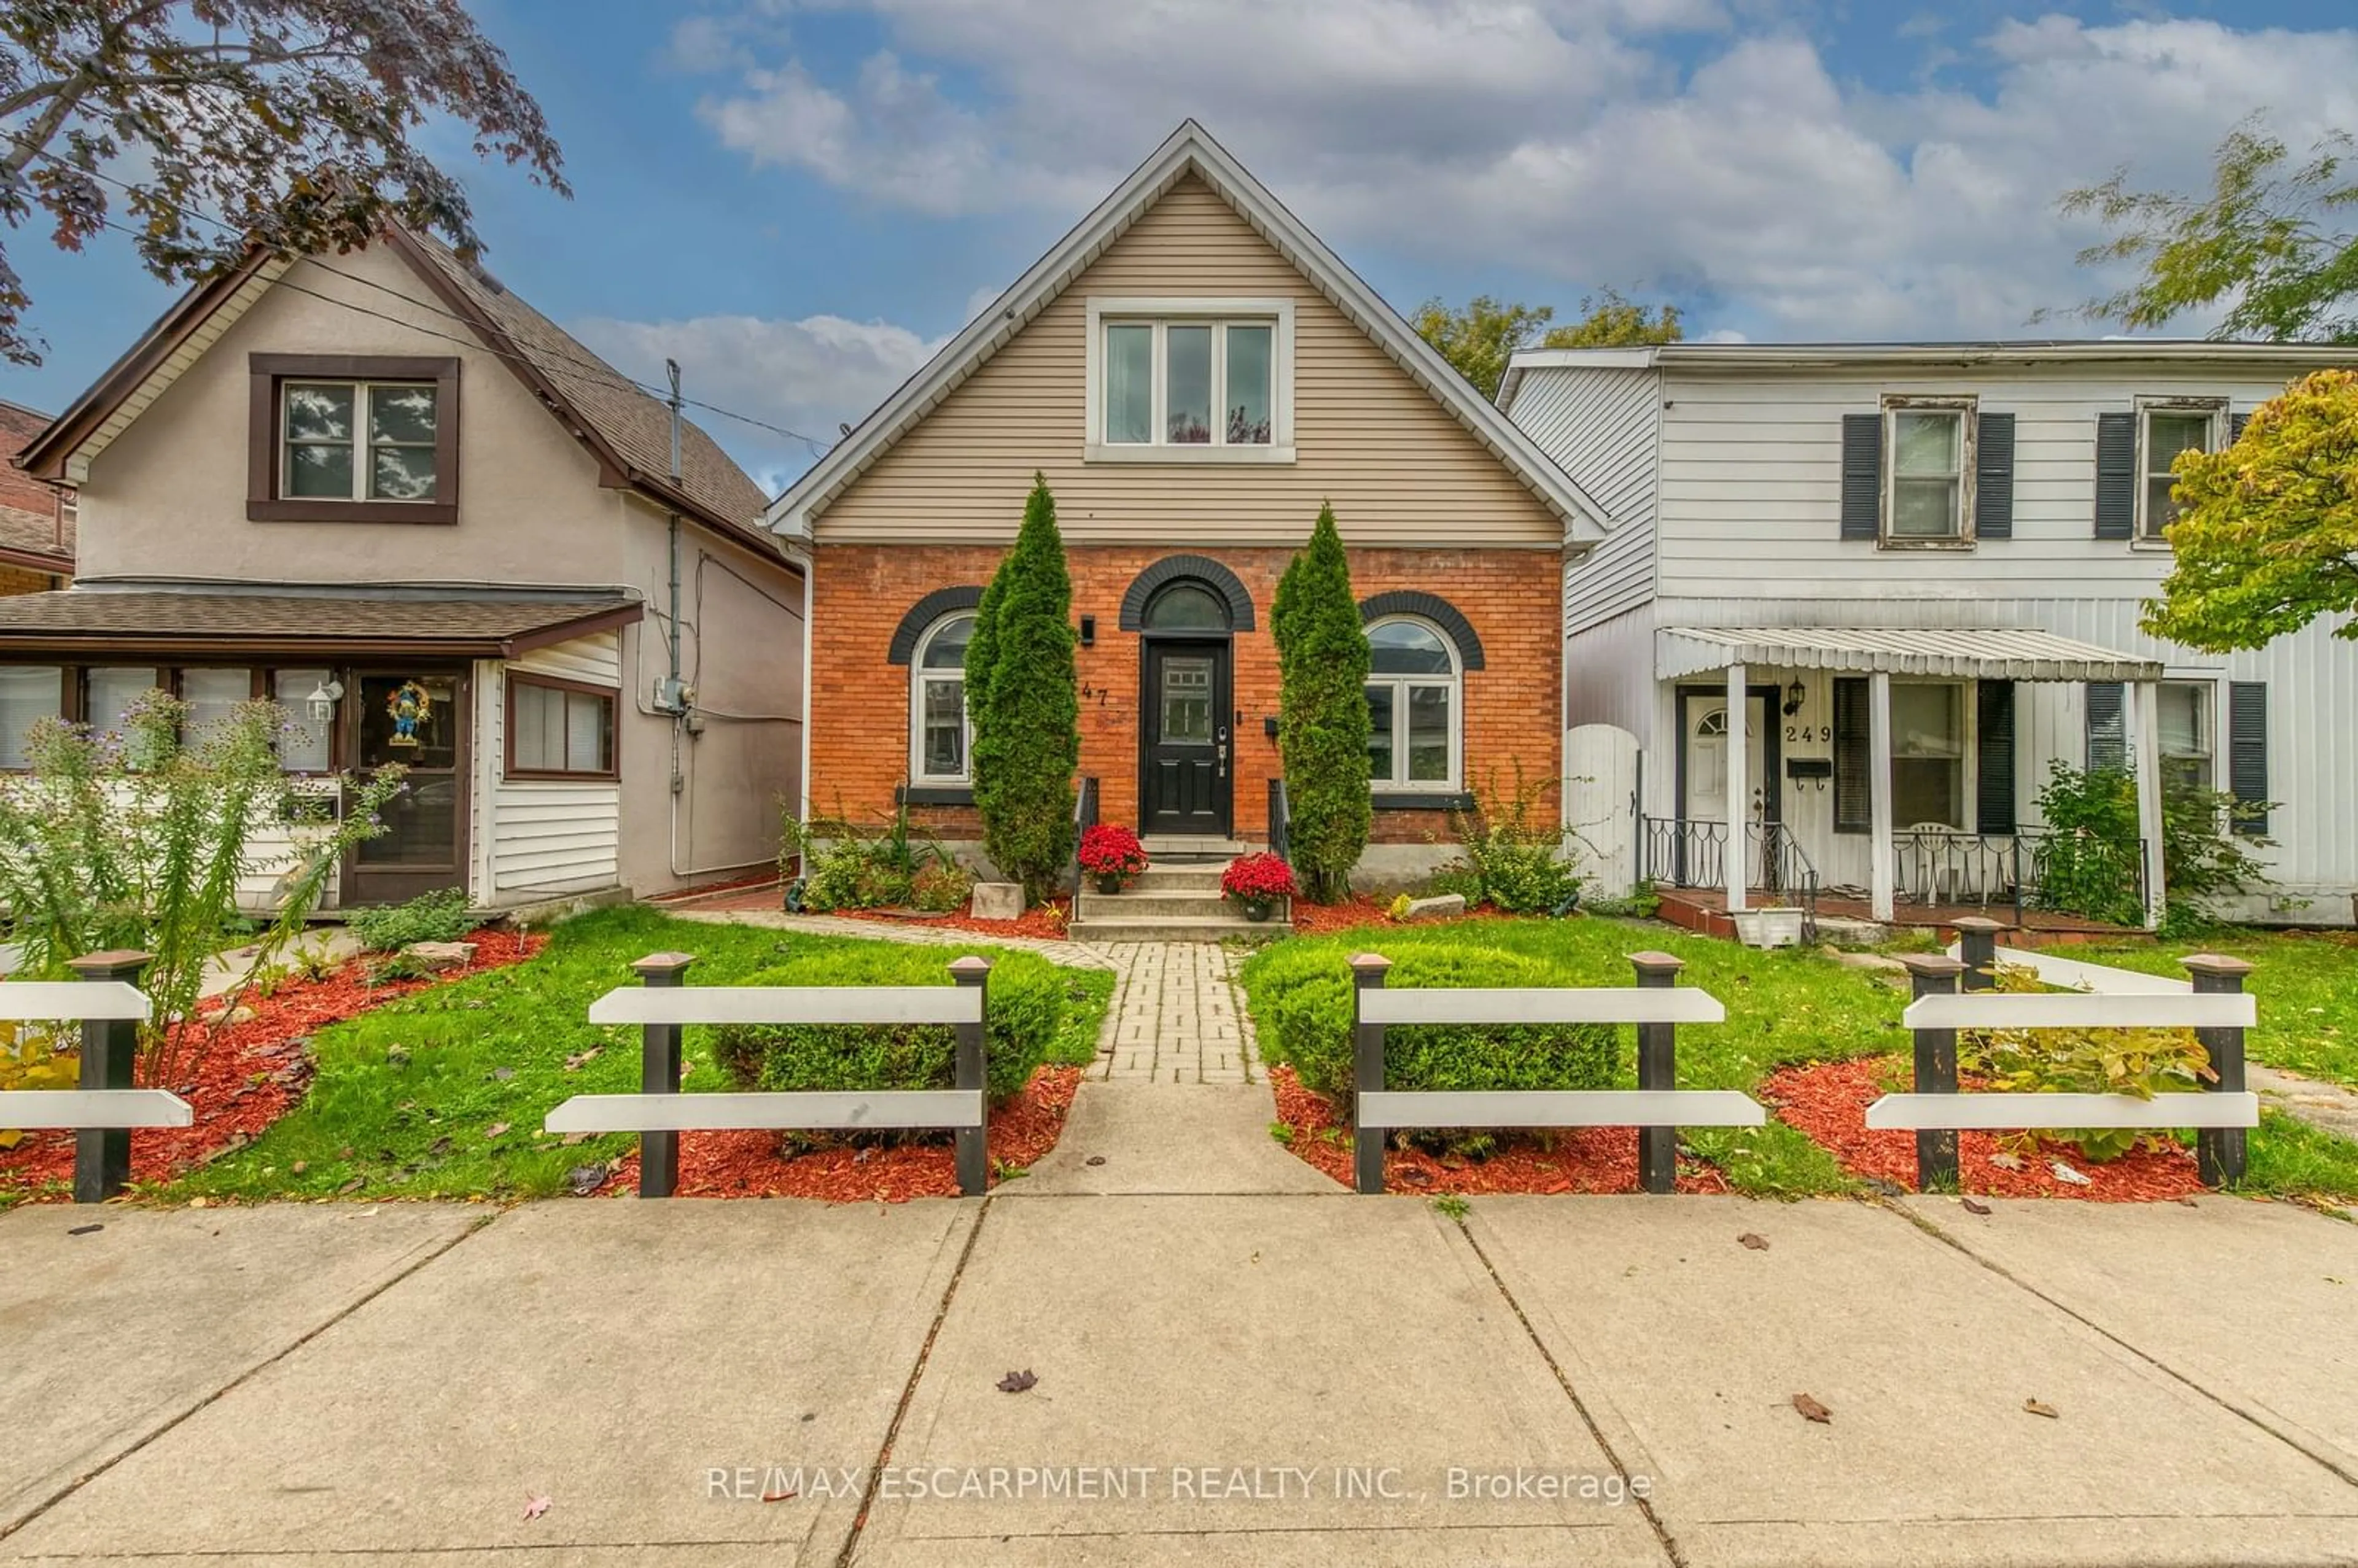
x,y
597,659
546,838
1599,424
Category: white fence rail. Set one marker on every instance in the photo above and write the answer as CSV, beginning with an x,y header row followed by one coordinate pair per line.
x,y
103,1108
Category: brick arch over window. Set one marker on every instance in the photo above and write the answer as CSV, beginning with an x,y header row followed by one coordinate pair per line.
x,y
1427,606
923,613
1202,568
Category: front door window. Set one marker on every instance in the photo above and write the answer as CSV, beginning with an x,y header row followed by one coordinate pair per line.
x,y
413,721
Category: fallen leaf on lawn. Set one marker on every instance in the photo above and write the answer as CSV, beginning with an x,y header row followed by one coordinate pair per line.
x,y
495,1129
2067,1175
574,1139
1812,1410
299,1167
535,1507
2006,1162
580,1058
502,1074
439,1147
1756,1243
2038,1407
1016,1382
1973,1207
349,1188
196,1203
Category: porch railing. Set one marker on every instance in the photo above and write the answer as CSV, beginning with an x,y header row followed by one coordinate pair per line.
x,y
1085,816
2033,867
1676,852
1281,822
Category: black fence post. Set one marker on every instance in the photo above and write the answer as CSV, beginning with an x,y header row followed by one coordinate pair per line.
x,y
974,1073
1658,1068
1367,1074
1978,948
110,1047
2219,1151
1935,974
659,1075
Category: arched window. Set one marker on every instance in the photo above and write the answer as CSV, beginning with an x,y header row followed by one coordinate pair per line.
x,y
1186,607
939,731
1415,704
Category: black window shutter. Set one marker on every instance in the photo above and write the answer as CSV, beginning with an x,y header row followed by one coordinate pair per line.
x,y
2117,478
2235,423
2108,737
1862,475
2248,753
1854,779
1994,777
1994,477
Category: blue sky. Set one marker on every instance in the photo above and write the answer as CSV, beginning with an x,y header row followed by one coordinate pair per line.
x,y
798,199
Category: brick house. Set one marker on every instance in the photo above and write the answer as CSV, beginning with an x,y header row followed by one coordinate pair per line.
x,y
37,519
1194,372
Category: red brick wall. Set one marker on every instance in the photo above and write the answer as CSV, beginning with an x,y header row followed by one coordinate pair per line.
x,y
859,702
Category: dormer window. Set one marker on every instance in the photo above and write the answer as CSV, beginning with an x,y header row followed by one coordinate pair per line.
x,y
1190,381
354,438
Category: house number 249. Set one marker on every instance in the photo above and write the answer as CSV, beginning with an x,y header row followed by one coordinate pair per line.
x,y
1808,732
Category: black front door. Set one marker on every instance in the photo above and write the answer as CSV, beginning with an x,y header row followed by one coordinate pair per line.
x,y
1185,738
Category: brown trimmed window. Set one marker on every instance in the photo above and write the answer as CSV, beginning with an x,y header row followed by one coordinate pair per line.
x,y
354,437
559,730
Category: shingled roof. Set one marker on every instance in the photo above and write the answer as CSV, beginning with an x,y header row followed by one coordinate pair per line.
x,y
167,622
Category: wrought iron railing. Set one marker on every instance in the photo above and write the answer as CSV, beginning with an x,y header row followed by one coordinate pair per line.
x,y
1281,822
1676,852
2034,867
1085,816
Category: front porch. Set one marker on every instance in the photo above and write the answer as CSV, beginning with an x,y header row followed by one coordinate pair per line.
x,y
1704,912
1891,769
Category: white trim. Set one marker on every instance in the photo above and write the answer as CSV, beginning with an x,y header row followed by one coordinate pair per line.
x,y
2083,1009
362,445
918,677
789,1004
1218,311
1540,1004
1994,1112
1558,1108
2213,409
56,1002
1456,683
743,1111
1965,409
27,1109
1190,150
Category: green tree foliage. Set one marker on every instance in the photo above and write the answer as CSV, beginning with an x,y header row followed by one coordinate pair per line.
x,y
214,122
1607,320
1322,651
2264,242
1479,337
1028,714
2266,536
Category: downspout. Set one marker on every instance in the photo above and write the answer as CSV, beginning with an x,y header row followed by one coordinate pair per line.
x,y
672,700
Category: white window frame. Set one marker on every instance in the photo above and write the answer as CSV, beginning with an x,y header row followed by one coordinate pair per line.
x,y
2210,690
1966,410
362,447
918,679
1967,756
1400,784
1161,312
2214,409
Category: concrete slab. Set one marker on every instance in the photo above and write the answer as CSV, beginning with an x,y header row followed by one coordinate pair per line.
x,y
112,1335
1169,1138
608,1356
2256,1302
1234,1377
1687,1348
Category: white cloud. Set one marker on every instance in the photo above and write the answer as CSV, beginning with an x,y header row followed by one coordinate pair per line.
x,y
1559,137
810,376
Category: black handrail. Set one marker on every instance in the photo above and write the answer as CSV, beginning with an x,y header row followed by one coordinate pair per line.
x,y
1281,822
1085,816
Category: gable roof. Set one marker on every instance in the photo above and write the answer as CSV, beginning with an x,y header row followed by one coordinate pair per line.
x,y
625,428
1189,150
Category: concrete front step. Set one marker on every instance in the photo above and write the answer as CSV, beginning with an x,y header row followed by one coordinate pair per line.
x,y
1181,877
1174,929
1158,903
1191,846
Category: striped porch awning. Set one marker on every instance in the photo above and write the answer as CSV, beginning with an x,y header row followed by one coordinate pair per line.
x,y
1979,653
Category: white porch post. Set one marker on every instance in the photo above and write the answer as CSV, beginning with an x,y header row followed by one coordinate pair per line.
x,y
1738,813
2145,723
1880,876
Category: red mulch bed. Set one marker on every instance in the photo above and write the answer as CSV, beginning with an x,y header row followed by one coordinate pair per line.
x,y
1318,919
1583,1160
251,1073
1828,1101
749,1165
1043,920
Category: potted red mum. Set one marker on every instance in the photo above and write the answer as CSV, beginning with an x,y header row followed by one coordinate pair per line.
x,y
1256,881
1112,854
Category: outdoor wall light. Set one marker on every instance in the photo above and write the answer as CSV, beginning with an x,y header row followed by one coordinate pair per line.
x,y
1089,631
1794,696
323,701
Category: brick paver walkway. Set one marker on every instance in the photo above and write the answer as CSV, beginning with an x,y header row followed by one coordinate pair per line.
x,y
1177,1019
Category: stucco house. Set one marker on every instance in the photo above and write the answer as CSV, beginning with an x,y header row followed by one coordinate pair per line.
x,y
384,490
1917,570
37,518
1195,372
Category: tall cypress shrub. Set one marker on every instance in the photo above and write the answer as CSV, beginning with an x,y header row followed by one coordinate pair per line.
x,y
1027,713
1322,654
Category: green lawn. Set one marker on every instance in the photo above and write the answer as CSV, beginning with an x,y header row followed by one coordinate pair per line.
x,y
1798,1005
2307,988
407,1096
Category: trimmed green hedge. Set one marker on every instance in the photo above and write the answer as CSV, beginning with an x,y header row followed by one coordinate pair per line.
x,y
1307,992
1028,1001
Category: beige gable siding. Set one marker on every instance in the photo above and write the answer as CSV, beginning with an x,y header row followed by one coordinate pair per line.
x,y
1397,467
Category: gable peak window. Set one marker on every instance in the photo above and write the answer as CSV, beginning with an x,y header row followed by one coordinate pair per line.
x,y
2165,427
1190,379
354,437
1928,488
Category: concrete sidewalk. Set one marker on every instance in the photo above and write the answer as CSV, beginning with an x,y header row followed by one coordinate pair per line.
x,y
1289,1379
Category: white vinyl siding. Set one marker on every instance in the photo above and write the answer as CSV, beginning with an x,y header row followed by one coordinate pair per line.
x,y
540,838
1600,424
